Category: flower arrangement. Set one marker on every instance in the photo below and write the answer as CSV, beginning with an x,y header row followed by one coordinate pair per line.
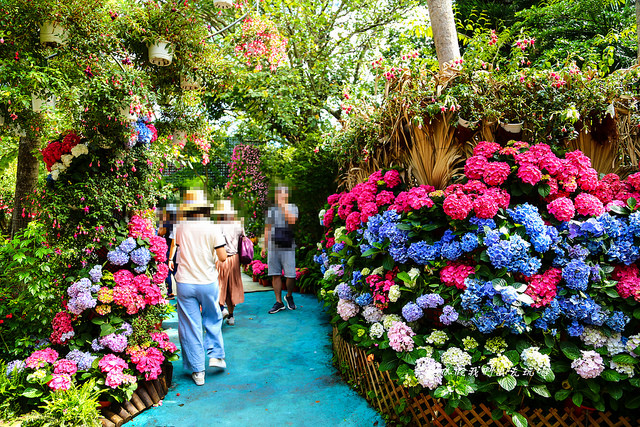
x,y
258,269
106,329
521,282
261,40
59,154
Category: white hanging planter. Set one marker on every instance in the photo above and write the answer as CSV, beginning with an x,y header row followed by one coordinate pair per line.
x,y
39,105
160,53
186,83
52,32
223,4
18,131
180,137
512,127
466,123
127,114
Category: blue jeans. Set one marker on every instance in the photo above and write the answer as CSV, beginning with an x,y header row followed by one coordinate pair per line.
x,y
191,322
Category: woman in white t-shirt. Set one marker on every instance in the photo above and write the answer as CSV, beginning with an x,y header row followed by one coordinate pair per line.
x,y
201,245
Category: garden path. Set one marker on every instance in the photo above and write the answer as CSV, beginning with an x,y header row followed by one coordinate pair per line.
x,y
279,372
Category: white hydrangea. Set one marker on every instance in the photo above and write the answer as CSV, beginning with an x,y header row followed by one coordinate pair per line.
x,y
500,365
66,159
55,174
456,357
372,314
623,368
533,359
329,274
376,330
413,274
437,338
593,336
428,372
388,319
79,150
428,349
632,343
338,233
378,271
615,345
394,293
365,271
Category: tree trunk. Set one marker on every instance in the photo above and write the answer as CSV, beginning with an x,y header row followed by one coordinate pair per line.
x,y
26,180
638,27
445,34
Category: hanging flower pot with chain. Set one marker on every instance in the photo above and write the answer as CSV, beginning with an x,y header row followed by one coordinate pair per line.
x,y
187,83
52,32
223,4
160,53
39,104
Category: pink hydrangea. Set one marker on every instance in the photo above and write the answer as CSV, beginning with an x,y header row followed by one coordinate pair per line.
x,y
347,309
65,366
147,360
60,381
392,178
551,164
457,205
327,219
579,160
486,148
562,209
333,199
111,362
353,221
418,197
628,281
164,342
529,174
141,227
634,180
588,205
543,287
159,248
454,274
496,173
500,195
375,177
474,167
590,365
588,180
474,186
123,277
161,274
384,197
41,358
116,378
330,242
127,296
485,206
62,330
345,205
368,209
400,337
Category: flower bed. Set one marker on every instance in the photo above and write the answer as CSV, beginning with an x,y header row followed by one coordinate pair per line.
x,y
516,287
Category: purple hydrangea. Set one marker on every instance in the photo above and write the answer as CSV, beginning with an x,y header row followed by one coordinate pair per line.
x,y
117,257
141,256
429,301
81,286
140,269
96,273
126,329
344,291
449,315
411,312
83,359
96,346
15,366
81,302
127,245
115,342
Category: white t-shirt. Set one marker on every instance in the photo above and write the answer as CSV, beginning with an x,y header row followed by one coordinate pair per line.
x,y
198,240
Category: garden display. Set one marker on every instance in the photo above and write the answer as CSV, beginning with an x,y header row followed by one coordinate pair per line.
x,y
517,286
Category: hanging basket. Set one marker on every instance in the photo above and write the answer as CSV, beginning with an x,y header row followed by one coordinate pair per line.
x,y
223,4
186,83
52,32
514,128
160,53
39,105
128,115
180,137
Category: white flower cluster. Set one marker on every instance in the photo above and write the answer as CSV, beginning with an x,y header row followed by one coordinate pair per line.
x,y
500,365
593,336
388,319
66,159
394,293
437,338
615,344
376,330
428,372
456,357
413,274
533,359
372,314
622,368
632,343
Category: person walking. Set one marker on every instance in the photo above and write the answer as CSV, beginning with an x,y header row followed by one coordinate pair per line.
x,y
229,275
201,244
281,252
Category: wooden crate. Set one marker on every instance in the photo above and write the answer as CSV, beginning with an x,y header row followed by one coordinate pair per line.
x,y
385,395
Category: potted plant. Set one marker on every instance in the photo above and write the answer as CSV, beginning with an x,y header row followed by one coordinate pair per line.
x,y
53,32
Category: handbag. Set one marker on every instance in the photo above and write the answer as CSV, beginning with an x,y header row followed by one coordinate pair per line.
x,y
245,250
283,237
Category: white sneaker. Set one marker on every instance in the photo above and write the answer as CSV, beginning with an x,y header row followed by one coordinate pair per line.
x,y
198,378
225,313
217,363
231,321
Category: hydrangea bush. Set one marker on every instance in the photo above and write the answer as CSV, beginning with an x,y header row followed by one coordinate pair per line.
x,y
519,283
108,327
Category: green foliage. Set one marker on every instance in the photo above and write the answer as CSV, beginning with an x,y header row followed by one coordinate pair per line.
x,y
74,407
29,275
11,389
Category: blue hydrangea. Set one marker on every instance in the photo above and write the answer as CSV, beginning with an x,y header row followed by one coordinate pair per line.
x,y
613,227
429,301
451,251
344,291
96,273
449,315
509,295
475,293
593,227
617,321
541,242
391,216
117,257
144,133
578,252
141,256
96,346
491,237
421,252
576,275
364,299
469,242
399,253
128,245
482,223
528,215
622,250
549,316
140,269
15,366
411,312
357,279
499,254
448,236
364,248
634,224
338,247
575,329
583,309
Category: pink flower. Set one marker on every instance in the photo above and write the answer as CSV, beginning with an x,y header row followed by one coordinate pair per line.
x,y
60,382
159,248
368,209
147,361
562,209
400,337
62,328
588,180
327,219
628,281
457,205
486,149
330,242
111,362
543,287
375,177
550,163
392,178
474,167
529,174
384,198
454,274
123,277
353,221
40,358
141,227
160,275
333,199
634,180
485,206
588,205
65,366
496,173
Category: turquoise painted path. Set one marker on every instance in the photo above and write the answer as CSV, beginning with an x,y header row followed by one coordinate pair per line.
x,y
279,372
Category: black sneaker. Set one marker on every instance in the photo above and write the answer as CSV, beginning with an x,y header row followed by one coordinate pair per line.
x,y
278,306
289,300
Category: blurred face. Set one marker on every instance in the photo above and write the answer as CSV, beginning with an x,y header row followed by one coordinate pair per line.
x,y
282,196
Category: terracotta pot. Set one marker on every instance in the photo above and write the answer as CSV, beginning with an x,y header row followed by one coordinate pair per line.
x,y
255,278
160,53
52,32
103,404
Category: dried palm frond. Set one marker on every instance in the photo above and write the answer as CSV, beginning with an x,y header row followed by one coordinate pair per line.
x,y
604,157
